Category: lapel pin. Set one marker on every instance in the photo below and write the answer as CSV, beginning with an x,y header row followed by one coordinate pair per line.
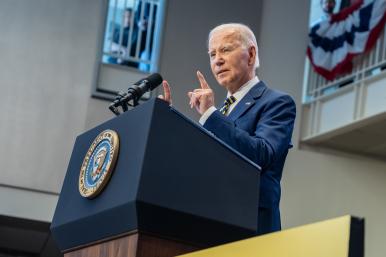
x,y
248,103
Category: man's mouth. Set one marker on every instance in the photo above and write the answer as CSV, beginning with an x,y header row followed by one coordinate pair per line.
x,y
221,72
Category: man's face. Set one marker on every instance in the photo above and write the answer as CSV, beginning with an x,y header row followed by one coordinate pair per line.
x,y
126,18
231,62
328,6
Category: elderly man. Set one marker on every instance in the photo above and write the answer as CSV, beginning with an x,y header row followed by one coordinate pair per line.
x,y
255,120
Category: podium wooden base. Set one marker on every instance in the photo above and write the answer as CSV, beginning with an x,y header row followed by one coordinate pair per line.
x,y
133,245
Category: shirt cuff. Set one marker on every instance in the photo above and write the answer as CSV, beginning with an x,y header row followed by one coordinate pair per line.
x,y
206,115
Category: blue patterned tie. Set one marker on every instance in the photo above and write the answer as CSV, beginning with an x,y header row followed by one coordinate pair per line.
x,y
227,103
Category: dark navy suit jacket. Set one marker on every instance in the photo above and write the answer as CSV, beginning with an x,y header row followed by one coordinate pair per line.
x,y
260,127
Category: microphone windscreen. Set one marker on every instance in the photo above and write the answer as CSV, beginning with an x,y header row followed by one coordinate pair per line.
x,y
154,80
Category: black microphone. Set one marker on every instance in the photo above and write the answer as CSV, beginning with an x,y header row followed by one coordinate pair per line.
x,y
135,91
140,87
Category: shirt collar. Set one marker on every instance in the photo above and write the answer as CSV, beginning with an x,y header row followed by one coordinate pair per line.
x,y
243,90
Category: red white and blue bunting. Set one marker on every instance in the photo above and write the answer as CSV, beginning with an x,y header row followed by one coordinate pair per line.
x,y
335,41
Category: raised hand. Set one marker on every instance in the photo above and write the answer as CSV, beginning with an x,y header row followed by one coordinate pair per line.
x,y
167,96
201,98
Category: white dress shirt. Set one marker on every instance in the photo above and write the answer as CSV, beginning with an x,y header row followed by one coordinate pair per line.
x,y
239,94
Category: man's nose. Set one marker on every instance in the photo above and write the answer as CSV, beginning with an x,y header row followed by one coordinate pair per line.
x,y
219,60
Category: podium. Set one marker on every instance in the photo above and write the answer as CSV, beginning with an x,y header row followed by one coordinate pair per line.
x,y
175,188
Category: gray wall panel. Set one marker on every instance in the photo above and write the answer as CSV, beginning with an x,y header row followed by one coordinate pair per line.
x,y
48,50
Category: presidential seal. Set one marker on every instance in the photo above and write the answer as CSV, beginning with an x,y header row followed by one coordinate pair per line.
x,y
98,164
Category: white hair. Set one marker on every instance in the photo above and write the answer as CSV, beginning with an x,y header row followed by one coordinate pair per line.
x,y
246,36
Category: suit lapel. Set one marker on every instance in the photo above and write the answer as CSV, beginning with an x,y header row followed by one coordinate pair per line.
x,y
248,100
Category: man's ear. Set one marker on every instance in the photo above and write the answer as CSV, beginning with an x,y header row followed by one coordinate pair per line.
x,y
252,55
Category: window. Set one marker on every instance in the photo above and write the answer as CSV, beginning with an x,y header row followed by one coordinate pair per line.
x,y
130,44
131,34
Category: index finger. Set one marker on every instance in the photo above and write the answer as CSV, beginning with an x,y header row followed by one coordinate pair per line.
x,y
167,94
203,83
